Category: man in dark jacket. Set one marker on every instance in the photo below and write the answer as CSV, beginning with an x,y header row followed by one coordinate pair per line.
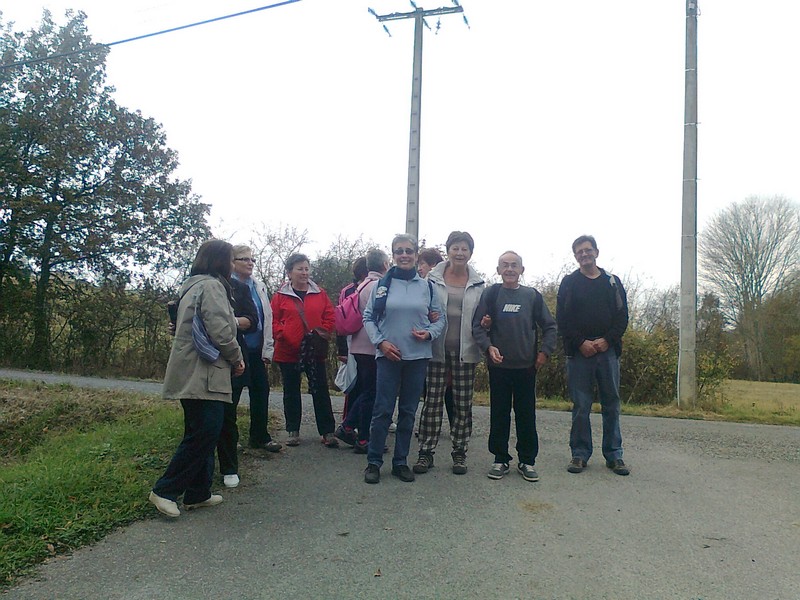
x,y
505,326
592,315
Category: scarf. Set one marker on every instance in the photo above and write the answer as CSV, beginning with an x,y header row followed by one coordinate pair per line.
x,y
382,291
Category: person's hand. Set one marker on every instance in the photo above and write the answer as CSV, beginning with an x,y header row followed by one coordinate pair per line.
x,y
171,328
243,323
601,345
541,359
342,359
324,334
587,348
486,322
390,351
494,355
433,316
238,368
266,362
421,335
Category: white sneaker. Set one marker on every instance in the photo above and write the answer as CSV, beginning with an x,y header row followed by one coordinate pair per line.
x,y
164,506
230,481
213,500
392,427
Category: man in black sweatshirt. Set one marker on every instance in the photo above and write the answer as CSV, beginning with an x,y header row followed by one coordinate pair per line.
x,y
592,315
509,337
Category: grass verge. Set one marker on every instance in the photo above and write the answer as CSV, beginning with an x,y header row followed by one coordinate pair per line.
x,y
741,402
75,464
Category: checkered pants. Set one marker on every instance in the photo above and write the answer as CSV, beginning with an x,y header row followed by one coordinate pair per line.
x,y
461,376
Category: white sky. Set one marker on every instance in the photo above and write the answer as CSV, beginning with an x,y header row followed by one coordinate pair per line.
x,y
545,120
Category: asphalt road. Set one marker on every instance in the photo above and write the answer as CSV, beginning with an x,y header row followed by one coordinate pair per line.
x,y
711,511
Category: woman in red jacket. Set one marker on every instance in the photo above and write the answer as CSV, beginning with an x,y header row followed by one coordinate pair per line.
x,y
302,326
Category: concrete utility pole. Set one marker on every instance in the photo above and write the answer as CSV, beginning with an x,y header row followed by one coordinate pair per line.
x,y
412,205
687,354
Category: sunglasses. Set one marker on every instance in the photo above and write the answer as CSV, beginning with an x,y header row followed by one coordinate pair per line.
x,y
401,251
246,260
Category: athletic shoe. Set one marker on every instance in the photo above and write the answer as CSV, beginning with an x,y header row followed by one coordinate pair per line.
x,y
392,427
459,463
403,473
294,438
330,441
497,471
347,435
212,500
576,465
272,446
360,447
618,466
230,481
165,506
424,463
372,474
528,472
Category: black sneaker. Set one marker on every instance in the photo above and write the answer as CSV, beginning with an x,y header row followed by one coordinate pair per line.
x,y
528,472
348,436
361,447
424,463
576,465
372,474
618,466
459,463
403,473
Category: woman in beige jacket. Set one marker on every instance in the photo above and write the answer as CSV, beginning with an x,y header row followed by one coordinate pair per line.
x,y
202,387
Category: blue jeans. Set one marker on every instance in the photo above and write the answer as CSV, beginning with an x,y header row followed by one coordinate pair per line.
x,y
582,373
191,470
399,381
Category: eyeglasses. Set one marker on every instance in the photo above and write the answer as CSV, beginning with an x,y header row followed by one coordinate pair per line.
x,y
401,251
583,251
246,260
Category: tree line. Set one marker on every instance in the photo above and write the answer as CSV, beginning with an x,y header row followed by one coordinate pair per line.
x,y
96,233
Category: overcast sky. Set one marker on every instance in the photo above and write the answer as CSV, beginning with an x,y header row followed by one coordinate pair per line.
x,y
542,121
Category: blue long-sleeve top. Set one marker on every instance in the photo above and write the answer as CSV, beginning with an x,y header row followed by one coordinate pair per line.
x,y
408,305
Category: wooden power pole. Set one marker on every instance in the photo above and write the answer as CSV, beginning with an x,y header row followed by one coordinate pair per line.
x,y
419,14
687,353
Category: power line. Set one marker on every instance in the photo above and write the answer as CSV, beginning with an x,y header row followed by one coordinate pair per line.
x,y
31,61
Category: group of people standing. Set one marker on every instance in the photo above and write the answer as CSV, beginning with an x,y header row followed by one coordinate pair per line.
x,y
427,323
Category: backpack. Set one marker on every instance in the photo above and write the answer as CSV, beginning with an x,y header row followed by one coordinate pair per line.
x,y
347,314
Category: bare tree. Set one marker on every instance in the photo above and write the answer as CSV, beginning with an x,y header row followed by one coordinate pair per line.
x,y
271,247
747,253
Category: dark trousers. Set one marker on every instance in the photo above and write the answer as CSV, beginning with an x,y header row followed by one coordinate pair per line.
x,y
259,399
363,395
191,470
517,388
318,387
229,438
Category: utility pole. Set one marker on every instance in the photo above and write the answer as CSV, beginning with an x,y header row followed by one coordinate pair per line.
x,y
687,353
419,14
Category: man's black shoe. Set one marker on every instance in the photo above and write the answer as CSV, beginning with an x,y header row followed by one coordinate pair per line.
x,y
576,465
618,466
372,474
403,473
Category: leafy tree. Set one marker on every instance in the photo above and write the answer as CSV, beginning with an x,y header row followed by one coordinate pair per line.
x,y
747,253
87,188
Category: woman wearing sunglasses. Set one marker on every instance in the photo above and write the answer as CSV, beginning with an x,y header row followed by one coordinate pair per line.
x,y
397,321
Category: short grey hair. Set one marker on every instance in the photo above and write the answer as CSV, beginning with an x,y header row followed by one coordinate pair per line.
x,y
295,258
376,260
405,237
510,252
